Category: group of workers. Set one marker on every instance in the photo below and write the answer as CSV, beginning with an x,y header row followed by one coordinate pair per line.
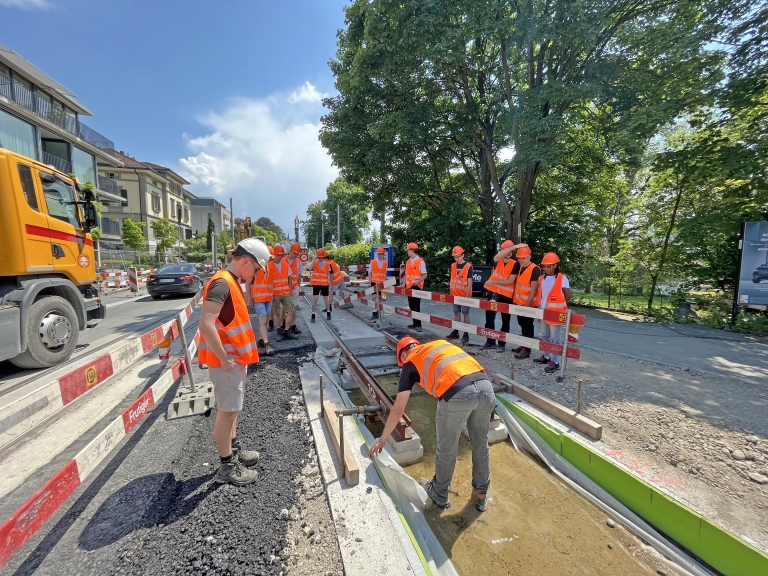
x,y
465,396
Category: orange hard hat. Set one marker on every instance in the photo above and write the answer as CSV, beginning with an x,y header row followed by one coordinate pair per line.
x,y
550,258
271,251
279,249
381,250
522,252
507,244
412,246
296,247
404,343
321,253
457,251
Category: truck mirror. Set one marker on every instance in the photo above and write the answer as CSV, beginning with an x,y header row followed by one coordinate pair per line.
x,y
91,219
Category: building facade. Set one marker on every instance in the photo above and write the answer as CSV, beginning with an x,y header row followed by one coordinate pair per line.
x,y
149,192
41,119
204,208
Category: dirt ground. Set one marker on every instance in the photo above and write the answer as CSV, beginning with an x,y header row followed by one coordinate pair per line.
x,y
700,438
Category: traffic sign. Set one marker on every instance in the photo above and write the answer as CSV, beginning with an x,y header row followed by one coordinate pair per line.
x,y
304,257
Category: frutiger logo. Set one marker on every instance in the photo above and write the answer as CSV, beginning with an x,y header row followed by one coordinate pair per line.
x,y
401,311
490,333
139,411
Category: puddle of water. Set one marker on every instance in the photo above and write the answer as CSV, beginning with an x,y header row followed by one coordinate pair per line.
x,y
534,523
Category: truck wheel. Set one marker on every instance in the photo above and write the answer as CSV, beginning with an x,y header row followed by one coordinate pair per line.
x,y
52,331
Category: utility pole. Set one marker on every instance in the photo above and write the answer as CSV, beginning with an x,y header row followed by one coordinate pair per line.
x,y
231,224
322,229
338,225
178,217
296,227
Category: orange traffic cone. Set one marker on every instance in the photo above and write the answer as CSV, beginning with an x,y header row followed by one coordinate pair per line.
x,y
165,349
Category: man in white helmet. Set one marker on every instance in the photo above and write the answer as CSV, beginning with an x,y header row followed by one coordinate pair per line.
x,y
227,347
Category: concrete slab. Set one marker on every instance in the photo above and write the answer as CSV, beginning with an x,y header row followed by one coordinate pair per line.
x,y
371,537
318,330
378,361
407,451
497,432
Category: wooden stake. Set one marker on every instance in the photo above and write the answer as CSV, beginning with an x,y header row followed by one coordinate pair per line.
x,y
349,468
578,396
322,408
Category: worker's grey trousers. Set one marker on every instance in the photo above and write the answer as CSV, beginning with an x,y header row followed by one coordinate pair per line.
x,y
470,407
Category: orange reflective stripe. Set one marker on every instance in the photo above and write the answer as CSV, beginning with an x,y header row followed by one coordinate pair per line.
x,y
378,271
278,277
261,289
441,365
555,298
338,277
413,273
319,274
523,287
460,281
295,267
237,338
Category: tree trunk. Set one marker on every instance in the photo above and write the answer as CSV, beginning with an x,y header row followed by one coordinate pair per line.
x,y
526,180
654,279
486,202
671,226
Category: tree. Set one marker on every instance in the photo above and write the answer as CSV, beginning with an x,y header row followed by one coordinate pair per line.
x,y
353,205
133,235
166,234
269,225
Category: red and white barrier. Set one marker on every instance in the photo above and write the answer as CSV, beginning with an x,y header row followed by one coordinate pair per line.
x,y
28,519
133,281
533,343
87,376
388,283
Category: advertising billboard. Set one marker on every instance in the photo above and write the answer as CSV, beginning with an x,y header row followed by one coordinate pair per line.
x,y
753,273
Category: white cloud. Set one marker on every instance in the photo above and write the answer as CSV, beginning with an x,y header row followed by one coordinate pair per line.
x,y
307,93
27,4
265,154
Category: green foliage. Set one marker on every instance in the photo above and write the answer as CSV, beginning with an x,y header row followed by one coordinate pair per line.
x,y
133,234
351,254
95,234
166,234
271,237
354,206
196,249
267,224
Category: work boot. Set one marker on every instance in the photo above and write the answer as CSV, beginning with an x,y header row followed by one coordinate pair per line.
x,y
523,354
502,346
432,493
288,335
481,502
489,343
328,314
375,316
279,336
465,338
453,335
235,473
518,349
552,367
271,326
246,457
295,330
268,349
542,359
312,321
260,343
417,329
411,326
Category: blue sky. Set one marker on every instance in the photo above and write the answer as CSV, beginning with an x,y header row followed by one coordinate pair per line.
x,y
225,92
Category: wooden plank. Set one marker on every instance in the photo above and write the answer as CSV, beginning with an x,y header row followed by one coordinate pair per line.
x,y
570,417
351,469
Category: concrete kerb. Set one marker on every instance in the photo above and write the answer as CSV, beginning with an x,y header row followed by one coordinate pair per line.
x,y
370,534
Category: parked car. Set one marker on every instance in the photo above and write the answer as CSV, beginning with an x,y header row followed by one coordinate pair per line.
x,y
176,279
760,273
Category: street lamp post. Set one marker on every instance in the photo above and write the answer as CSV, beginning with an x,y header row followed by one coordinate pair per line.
x,y
178,217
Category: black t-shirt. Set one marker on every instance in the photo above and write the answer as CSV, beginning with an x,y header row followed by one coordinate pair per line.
x,y
535,273
410,376
218,293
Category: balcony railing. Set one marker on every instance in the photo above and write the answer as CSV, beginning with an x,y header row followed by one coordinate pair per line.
x,y
108,185
26,98
58,163
110,227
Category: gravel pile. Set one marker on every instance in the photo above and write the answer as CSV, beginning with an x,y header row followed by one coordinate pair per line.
x,y
257,529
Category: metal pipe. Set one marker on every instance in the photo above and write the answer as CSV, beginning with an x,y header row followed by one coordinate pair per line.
x,y
322,409
187,355
361,410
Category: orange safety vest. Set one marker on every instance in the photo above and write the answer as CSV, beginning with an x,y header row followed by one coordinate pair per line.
x,y
237,337
555,298
413,273
338,277
261,288
278,277
523,287
460,281
502,272
295,267
441,365
378,271
319,274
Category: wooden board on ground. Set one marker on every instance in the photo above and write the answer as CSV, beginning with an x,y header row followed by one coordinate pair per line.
x,y
351,469
570,417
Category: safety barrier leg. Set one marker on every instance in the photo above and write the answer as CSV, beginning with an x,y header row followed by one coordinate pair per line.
x,y
564,357
196,399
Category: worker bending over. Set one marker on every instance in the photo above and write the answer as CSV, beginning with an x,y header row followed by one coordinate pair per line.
x,y
465,398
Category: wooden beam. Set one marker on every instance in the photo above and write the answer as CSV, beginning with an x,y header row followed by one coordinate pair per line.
x,y
566,415
351,471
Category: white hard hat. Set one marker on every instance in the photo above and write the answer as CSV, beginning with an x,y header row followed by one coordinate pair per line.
x,y
256,249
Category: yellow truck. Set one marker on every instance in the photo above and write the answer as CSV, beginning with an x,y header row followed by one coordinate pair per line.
x,y
48,280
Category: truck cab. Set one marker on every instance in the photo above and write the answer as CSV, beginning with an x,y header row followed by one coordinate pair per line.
x,y
48,279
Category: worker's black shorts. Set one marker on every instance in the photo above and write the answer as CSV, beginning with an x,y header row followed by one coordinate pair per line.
x,y
319,290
